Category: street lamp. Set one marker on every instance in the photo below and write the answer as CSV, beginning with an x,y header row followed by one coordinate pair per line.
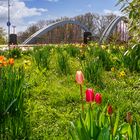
x,y
8,24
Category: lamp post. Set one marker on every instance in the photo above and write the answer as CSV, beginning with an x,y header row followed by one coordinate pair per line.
x,y
8,24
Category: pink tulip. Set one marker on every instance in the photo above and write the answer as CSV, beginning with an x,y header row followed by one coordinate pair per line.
x,y
98,98
79,77
89,95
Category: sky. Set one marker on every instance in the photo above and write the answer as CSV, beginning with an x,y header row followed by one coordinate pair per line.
x,y
27,12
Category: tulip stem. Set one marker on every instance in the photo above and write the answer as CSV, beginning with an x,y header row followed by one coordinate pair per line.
x,y
81,97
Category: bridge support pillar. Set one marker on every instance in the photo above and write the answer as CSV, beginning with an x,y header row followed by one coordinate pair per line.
x,y
87,37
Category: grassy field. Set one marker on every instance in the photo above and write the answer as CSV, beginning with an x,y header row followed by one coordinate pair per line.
x,y
51,94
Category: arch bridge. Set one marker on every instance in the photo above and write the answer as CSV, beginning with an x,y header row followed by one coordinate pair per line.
x,y
110,28
51,27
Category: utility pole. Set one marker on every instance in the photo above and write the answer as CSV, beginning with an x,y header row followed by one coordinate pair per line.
x,y
8,24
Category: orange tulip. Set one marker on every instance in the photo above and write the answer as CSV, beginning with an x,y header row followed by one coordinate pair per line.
x,y
11,61
2,58
79,77
4,63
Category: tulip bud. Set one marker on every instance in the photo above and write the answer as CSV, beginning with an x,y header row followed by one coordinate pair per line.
x,y
109,110
11,61
79,77
89,95
98,98
129,117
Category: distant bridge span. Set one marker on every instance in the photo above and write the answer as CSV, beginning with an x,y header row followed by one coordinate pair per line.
x,y
110,28
51,27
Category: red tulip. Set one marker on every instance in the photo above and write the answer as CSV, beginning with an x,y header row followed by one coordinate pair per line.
x,y
109,109
89,95
98,98
79,77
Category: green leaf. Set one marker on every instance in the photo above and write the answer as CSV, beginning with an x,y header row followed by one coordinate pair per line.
x,y
104,134
102,118
88,121
134,132
72,131
129,132
10,106
124,128
116,124
84,131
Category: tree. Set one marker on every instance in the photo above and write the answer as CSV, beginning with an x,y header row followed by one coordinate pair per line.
x,y
2,35
132,9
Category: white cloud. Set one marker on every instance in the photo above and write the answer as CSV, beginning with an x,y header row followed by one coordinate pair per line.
x,y
18,12
107,11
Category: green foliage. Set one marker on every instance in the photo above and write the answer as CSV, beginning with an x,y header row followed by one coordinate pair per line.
x,y
73,51
12,117
103,56
42,57
97,124
15,53
93,71
2,34
51,101
63,66
132,58
2,40
132,8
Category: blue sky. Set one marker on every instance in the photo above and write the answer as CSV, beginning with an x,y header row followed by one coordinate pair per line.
x,y
26,12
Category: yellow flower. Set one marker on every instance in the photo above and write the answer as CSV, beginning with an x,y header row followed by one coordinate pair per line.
x,y
103,46
112,69
122,74
121,47
27,63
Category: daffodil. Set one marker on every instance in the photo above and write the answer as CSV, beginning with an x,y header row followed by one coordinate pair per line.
x,y
103,47
112,69
122,74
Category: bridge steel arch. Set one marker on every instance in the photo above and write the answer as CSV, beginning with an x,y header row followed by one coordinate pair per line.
x,y
110,28
51,27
